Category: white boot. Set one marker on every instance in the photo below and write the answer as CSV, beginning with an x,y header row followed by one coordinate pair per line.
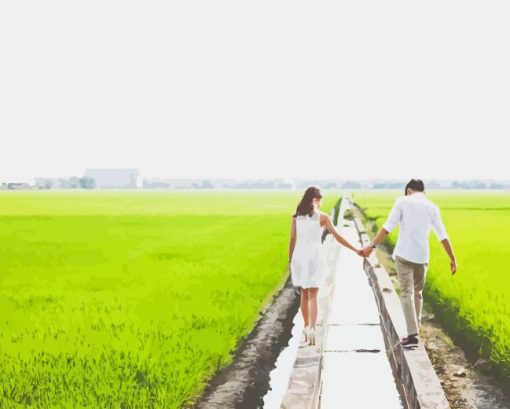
x,y
311,336
305,333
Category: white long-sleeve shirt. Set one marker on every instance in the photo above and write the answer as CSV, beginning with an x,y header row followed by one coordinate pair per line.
x,y
416,215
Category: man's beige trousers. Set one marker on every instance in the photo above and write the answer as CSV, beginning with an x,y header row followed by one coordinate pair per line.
x,y
412,280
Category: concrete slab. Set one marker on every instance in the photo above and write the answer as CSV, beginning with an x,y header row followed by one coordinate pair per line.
x,y
353,379
354,337
351,307
358,380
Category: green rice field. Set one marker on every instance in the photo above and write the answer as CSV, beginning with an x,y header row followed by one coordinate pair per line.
x,y
474,303
132,299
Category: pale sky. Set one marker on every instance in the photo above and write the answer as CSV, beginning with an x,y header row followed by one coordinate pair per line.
x,y
260,89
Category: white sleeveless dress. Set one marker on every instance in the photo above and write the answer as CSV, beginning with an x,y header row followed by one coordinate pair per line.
x,y
307,264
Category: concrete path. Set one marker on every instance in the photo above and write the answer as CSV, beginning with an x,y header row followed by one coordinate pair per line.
x,y
359,326
356,372
348,366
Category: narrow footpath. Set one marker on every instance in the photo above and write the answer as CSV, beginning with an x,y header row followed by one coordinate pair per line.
x,y
356,371
348,366
357,361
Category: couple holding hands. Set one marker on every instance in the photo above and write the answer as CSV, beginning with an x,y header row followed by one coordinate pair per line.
x,y
415,214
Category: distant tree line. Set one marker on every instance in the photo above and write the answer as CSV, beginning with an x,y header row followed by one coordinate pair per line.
x,y
74,182
88,182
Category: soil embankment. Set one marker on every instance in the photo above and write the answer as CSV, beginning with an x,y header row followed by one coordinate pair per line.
x,y
245,381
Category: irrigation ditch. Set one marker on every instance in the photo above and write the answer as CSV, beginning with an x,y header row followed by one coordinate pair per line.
x,y
244,382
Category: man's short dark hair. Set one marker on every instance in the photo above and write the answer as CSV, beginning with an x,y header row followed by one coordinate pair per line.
x,y
416,185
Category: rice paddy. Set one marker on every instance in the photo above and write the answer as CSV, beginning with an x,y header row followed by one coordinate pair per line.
x,y
132,299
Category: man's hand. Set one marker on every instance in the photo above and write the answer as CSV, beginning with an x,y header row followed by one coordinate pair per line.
x,y
448,248
367,251
453,266
359,252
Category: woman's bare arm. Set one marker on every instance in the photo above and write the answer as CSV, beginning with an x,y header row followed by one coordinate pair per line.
x,y
329,225
292,241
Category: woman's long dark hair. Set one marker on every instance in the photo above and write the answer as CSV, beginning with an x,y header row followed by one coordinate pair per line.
x,y
305,206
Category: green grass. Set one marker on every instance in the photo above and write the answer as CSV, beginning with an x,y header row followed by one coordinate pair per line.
x,y
474,303
132,299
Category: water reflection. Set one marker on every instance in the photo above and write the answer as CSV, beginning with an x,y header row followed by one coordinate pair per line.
x,y
279,376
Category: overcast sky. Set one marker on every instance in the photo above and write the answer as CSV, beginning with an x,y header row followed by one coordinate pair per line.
x,y
259,89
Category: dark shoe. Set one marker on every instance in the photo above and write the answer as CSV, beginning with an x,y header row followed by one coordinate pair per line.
x,y
410,342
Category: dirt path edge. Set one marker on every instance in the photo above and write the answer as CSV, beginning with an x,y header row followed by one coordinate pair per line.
x,y
244,382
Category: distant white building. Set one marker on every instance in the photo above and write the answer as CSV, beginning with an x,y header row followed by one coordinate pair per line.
x,y
115,178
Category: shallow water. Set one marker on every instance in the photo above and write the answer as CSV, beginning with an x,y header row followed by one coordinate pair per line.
x,y
279,376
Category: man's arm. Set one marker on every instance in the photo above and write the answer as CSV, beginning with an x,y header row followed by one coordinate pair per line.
x,y
392,222
377,240
448,248
442,236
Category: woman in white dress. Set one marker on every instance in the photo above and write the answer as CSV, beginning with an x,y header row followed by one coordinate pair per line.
x,y
307,264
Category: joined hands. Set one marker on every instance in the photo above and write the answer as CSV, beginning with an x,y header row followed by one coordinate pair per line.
x,y
367,250
364,252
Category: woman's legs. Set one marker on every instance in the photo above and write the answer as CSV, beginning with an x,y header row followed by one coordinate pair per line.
x,y
312,296
304,305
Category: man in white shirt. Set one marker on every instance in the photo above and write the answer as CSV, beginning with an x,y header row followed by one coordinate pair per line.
x,y
416,215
